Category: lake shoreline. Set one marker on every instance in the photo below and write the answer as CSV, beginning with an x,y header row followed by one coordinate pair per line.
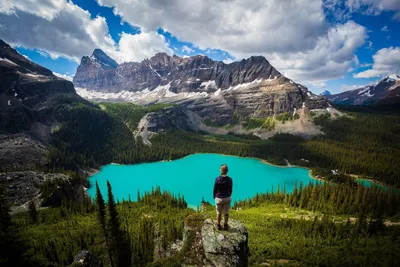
x,y
376,182
193,176
373,181
268,163
259,159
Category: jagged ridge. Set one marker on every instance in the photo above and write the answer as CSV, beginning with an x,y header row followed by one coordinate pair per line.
x,y
386,90
221,93
184,74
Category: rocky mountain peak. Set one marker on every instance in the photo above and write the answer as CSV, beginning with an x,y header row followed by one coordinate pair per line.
x,y
103,58
14,60
394,77
221,93
386,90
325,93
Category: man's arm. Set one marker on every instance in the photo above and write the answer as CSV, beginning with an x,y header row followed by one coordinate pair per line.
x,y
231,187
215,188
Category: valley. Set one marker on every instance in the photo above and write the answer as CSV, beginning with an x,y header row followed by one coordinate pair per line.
x,y
170,108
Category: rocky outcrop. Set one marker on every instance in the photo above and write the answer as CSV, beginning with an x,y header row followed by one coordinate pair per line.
x,y
225,248
21,152
22,187
166,119
204,245
85,258
386,90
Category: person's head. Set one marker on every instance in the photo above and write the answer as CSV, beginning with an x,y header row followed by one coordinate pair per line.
x,y
224,169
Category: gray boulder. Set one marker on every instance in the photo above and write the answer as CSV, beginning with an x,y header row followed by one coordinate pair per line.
x,y
225,248
85,258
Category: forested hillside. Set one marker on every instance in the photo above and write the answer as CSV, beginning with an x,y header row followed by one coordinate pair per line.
x,y
316,225
365,143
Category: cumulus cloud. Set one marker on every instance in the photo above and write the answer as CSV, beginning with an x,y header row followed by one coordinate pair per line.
x,y
332,56
140,46
246,29
386,61
64,76
61,28
293,35
374,7
227,60
187,49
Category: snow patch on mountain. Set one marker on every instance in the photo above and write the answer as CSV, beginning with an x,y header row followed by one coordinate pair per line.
x,y
8,61
245,85
394,77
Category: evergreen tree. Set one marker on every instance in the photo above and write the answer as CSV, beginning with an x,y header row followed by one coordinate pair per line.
x,y
32,212
5,218
101,216
119,245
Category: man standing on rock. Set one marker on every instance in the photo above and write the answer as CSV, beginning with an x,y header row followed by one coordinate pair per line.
x,y
222,195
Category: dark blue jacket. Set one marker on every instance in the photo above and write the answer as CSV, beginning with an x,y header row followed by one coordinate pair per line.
x,y
223,187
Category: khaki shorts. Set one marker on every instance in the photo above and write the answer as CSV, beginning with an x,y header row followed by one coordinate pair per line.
x,y
223,204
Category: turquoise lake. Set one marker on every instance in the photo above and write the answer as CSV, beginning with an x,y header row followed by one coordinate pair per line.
x,y
194,176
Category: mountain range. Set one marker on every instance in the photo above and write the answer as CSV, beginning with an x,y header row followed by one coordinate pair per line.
x,y
222,94
386,91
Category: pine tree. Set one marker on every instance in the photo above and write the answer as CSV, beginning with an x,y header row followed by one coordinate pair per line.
x,y
5,218
32,212
119,243
101,216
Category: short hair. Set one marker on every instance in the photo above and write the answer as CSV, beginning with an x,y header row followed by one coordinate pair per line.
x,y
224,169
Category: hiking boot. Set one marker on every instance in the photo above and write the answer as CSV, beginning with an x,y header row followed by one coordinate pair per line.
x,y
225,226
218,226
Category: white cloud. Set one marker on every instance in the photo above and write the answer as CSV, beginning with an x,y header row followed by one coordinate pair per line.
x,y
245,29
385,29
61,28
318,85
373,7
187,49
227,60
64,76
140,46
332,57
386,61
293,35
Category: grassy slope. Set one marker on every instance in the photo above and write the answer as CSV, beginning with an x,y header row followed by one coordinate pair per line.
x,y
278,232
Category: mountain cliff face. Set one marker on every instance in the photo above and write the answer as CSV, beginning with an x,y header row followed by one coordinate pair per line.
x,y
26,91
101,73
385,91
221,93
30,96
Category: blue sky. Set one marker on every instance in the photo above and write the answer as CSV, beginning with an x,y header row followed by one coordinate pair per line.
x,y
330,45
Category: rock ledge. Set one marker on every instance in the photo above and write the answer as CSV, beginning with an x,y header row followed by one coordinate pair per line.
x,y
225,248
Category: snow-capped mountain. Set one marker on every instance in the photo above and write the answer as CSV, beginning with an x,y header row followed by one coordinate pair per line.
x,y
248,88
386,90
325,93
